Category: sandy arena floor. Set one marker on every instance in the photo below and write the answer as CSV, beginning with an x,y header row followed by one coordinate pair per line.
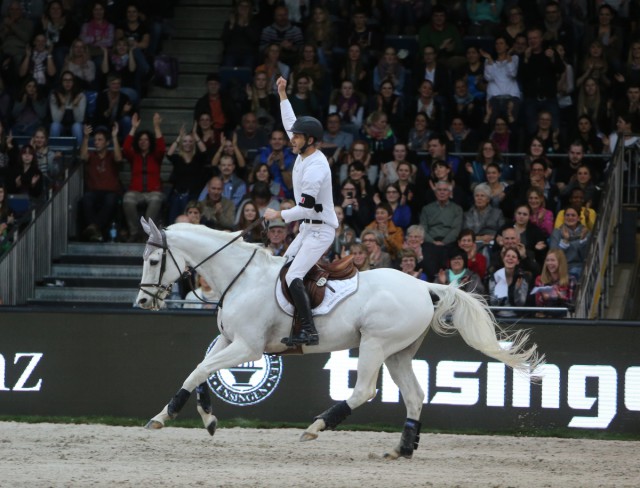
x,y
43,455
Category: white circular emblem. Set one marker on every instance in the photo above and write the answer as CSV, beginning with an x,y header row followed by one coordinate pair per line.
x,y
248,383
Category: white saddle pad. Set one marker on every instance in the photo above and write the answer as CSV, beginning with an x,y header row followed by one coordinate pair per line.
x,y
335,293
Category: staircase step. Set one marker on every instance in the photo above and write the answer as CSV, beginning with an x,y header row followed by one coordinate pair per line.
x,y
64,271
93,282
199,51
163,103
199,68
209,3
78,294
182,91
106,249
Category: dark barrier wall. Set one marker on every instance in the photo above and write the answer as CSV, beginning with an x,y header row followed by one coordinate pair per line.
x,y
129,364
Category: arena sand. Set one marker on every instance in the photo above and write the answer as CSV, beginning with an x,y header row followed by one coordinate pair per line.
x,y
59,455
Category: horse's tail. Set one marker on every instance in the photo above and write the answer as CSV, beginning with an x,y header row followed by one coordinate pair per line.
x,y
469,314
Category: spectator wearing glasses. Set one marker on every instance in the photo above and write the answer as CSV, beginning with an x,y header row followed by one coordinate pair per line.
x,y
357,210
401,212
67,105
373,242
458,274
383,222
359,151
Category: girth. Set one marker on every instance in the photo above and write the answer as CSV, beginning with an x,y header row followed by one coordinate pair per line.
x,y
315,280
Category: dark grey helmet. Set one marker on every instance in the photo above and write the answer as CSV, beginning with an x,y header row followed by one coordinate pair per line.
x,y
309,126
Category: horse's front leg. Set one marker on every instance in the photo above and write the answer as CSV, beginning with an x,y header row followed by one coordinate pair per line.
x,y
220,357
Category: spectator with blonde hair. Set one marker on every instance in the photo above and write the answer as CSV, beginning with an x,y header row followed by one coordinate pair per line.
x,y
556,287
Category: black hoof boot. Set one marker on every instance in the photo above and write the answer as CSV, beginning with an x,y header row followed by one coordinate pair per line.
x,y
410,438
177,402
308,335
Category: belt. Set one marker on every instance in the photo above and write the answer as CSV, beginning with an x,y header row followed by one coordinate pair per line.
x,y
310,221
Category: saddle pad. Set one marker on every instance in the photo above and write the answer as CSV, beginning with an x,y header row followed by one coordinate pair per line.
x,y
341,290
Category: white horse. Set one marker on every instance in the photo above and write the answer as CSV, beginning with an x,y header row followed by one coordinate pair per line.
x,y
387,319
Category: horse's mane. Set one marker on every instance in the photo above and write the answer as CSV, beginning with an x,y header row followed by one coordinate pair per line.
x,y
224,235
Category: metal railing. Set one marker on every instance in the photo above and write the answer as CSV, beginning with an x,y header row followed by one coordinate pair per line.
x,y
45,239
631,175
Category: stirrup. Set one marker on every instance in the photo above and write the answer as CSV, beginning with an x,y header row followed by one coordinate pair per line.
x,y
302,339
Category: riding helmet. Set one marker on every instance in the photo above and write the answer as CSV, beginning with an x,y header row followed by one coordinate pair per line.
x,y
309,126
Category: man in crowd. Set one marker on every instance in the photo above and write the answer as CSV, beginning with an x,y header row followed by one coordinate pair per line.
x,y
218,212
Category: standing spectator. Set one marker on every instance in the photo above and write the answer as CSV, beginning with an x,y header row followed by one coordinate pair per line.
x,y
187,178
240,36
288,36
79,62
219,106
444,36
15,32
59,29
38,63
102,186
97,32
67,105
218,212
442,222
538,74
573,238
29,109
113,106
556,286
145,152
501,75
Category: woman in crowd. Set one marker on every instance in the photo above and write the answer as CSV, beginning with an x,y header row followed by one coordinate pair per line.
x,y
383,223
593,104
488,153
59,29
80,64
320,34
378,133
29,109
392,195
357,209
49,161
573,238
409,264
595,67
121,60
493,175
373,242
420,133
205,132
509,285
389,68
188,159
531,236
247,215
97,32
536,151
584,180
261,172
67,105
386,100
476,261
556,286
585,132
360,256
357,174
389,170
273,67
610,35
540,216
348,105
303,100
355,70
515,24
25,177
309,66
502,134
441,171
482,218
38,63
262,101
240,36
359,151
427,103
501,76
458,274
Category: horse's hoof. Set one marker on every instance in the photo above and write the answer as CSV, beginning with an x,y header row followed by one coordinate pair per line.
x,y
391,456
211,428
308,436
154,425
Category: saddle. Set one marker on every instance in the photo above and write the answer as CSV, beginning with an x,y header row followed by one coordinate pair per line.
x,y
315,281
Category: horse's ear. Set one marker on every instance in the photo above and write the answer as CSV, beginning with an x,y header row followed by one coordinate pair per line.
x,y
145,225
155,233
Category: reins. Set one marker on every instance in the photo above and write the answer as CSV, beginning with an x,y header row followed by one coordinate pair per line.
x,y
186,274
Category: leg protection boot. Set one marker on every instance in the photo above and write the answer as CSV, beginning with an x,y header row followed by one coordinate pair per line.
x,y
308,335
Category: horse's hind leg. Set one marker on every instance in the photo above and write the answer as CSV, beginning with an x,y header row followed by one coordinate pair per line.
x,y
369,363
205,409
401,370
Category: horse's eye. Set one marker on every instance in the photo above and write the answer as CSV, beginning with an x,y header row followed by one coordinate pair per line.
x,y
153,262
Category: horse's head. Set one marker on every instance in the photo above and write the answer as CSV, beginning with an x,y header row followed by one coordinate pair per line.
x,y
161,268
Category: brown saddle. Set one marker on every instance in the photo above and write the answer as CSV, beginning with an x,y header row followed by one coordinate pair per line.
x,y
315,280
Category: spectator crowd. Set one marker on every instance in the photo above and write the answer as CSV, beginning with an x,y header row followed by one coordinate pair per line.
x,y
468,140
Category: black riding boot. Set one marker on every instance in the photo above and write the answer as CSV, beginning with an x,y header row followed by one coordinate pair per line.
x,y
308,335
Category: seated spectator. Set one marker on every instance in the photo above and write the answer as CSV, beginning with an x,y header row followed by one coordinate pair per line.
x,y
261,172
409,264
385,100
437,74
367,36
354,69
493,175
440,172
284,34
389,68
102,186
378,133
540,216
187,177
427,103
113,106
250,136
203,297
566,170
586,134
334,140
303,100
29,109
509,238
406,174
373,242
383,223
320,34
458,274
359,151
25,178
509,285
546,132
49,161
584,180
135,30
461,138
234,187
357,174
7,221
444,36
79,62
476,261
240,36
414,241
401,212
229,148
484,17
219,106
348,106
262,197
626,124
536,178
442,222
419,134
67,105
193,213
594,104
277,237
483,219
556,286
610,35
263,102
15,32
309,66
273,67
280,158
488,153
97,32
123,61
389,170
357,209
218,212
59,29
247,215
501,133
587,214
573,238
529,234
360,256
472,72
144,151
515,25
205,133
38,63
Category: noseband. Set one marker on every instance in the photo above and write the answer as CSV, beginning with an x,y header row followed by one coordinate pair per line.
x,y
161,291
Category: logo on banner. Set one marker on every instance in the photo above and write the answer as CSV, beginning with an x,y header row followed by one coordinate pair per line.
x,y
248,383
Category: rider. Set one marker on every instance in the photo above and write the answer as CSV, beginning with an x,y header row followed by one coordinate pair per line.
x,y
314,207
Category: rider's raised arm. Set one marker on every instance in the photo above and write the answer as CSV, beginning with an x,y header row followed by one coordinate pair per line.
x,y
286,110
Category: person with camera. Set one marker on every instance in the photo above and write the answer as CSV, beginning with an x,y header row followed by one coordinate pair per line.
x,y
357,208
313,195
509,285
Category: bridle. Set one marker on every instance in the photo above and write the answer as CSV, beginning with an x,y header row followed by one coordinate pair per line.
x,y
161,291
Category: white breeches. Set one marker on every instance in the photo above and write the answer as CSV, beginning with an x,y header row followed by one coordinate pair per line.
x,y
307,248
